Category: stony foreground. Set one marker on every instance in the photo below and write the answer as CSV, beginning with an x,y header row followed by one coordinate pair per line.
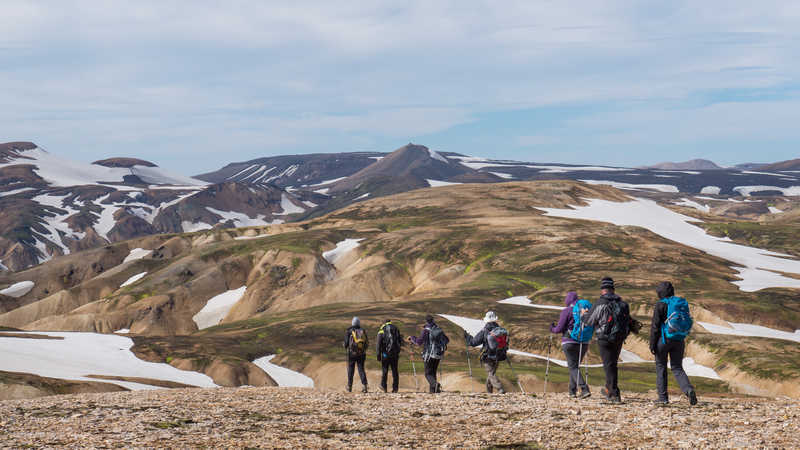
x,y
274,417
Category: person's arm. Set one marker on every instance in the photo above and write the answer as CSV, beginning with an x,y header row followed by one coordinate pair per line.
x,y
419,340
659,313
563,320
346,338
477,339
378,343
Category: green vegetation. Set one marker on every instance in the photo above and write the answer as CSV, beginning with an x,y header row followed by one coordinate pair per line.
x,y
777,237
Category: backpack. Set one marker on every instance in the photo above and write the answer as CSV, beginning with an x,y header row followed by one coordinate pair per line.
x,y
390,346
614,322
358,342
437,343
580,331
497,344
679,321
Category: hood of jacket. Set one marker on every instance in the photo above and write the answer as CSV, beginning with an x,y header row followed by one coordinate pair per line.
x,y
571,298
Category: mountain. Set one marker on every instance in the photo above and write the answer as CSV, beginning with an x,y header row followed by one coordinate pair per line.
x,y
792,164
294,170
62,206
694,164
749,166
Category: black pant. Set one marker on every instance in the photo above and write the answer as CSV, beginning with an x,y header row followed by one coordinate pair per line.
x,y
431,366
610,351
351,363
575,354
674,350
386,363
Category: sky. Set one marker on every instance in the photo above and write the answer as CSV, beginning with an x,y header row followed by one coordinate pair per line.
x,y
195,85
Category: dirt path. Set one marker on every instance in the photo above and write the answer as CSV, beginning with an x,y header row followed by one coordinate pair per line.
x,y
273,417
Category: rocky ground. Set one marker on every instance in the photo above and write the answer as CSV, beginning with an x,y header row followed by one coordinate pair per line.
x,y
275,417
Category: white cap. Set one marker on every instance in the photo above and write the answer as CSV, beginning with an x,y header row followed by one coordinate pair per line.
x,y
490,317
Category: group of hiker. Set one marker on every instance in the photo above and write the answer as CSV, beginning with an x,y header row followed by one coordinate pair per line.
x,y
608,320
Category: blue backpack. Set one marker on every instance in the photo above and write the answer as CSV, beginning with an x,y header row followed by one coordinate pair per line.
x,y
580,331
679,321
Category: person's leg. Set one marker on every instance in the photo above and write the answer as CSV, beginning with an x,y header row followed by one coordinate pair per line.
x,y
607,354
662,351
384,372
430,373
492,381
617,348
351,364
395,373
571,353
361,372
676,361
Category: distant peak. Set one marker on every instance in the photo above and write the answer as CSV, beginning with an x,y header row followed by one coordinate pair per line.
x,y
693,164
123,162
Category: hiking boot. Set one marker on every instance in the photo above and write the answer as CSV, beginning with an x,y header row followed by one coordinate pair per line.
x,y
364,389
501,391
489,388
572,395
349,388
383,388
438,388
661,402
615,399
585,394
394,391
692,397
604,391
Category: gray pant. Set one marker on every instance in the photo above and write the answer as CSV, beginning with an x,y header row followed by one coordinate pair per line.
x,y
492,382
575,354
674,350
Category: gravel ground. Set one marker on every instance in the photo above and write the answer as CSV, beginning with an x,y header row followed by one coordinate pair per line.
x,y
275,417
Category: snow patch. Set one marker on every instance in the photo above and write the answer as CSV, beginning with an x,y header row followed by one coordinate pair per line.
x,y
80,354
135,254
437,156
506,176
288,207
16,191
693,204
636,187
362,196
328,181
189,227
309,204
283,376
774,210
239,219
341,249
17,290
712,190
792,191
749,330
245,238
757,267
525,301
133,279
123,331
217,308
696,370
437,183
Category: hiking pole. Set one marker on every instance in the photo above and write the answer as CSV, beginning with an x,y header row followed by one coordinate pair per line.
x,y
508,360
414,368
547,369
469,364
580,358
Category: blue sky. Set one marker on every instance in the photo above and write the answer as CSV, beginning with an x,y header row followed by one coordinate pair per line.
x,y
194,85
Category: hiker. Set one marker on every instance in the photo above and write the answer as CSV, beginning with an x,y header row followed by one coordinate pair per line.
x,y
389,353
670,326
356,343
434,343
491,353
611,319
574,340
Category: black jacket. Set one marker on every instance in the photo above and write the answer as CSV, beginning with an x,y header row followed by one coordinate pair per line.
x,y
395,337
659,317
596,312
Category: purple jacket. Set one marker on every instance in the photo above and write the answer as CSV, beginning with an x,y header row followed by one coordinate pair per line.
x,y
565,320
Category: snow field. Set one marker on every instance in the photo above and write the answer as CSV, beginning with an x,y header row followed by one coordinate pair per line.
x,y
136,254
791,191
340,250
239,219
693,204
80,354
283,376
288,207
618,185
217,308
189,227
133,279
437,183
757,267
713,190
749,330
17,290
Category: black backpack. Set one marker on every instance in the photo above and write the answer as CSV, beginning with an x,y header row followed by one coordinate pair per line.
x,y
437,343
614,324
389,343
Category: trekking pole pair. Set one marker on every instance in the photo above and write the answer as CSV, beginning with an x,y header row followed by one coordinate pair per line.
x,y
414,368
469,364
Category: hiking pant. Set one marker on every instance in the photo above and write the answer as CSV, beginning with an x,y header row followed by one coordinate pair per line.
x,y
351,363
674,350
575,354
386,363
610,351
492,382
431,365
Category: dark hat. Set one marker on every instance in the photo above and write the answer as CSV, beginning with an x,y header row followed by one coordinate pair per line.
x,y
429,318
665,290
607,283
